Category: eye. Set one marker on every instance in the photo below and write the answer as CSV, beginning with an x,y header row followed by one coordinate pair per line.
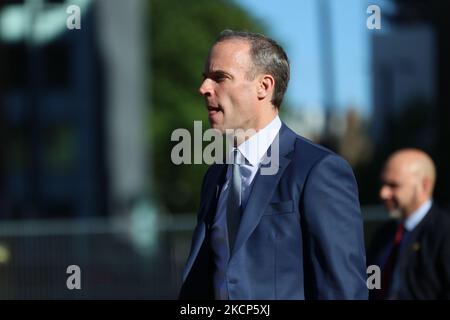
x,y
220,79
216,76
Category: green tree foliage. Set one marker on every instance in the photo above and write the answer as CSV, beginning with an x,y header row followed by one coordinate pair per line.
x,y
180,35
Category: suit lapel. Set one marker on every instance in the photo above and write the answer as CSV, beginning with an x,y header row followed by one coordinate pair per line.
x,y
213,186
263,189
416,237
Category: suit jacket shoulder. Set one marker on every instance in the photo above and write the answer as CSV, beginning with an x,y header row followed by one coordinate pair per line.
x,y
308,154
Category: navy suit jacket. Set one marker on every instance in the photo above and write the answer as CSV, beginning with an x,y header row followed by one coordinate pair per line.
x,y
301,233
424,263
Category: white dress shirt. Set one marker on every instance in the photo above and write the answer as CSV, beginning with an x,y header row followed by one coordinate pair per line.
x,y
414,219
253,149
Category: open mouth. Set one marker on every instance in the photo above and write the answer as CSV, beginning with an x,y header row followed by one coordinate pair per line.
x,y
213,110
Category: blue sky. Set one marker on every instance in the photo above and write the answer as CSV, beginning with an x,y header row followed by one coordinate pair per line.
x,y
295,24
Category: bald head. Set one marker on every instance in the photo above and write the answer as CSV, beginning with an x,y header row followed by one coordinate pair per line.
x,y
408,181
416,163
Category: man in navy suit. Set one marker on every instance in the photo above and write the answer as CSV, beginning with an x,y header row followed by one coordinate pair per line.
x,y
412,250
291,233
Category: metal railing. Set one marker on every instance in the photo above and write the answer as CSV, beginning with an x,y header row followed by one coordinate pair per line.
x,y
119,258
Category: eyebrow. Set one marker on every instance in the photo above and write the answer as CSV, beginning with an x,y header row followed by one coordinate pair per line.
x,y
216,73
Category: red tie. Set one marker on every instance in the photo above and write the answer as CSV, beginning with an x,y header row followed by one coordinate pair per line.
x,y
389,266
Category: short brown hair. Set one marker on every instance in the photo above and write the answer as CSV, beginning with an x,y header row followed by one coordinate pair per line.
x,y
267,56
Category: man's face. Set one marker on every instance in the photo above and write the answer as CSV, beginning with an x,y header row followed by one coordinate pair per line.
x,y
230,96
399,189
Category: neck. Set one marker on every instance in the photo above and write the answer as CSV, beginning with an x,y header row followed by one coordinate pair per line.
x,y
410,212
239,136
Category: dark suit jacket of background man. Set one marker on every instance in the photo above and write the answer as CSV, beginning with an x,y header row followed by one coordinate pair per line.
x,y
425,262
300,236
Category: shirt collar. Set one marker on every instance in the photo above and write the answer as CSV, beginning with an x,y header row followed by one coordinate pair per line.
x,y
414,219
254,148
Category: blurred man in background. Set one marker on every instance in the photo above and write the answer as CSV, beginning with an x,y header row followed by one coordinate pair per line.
x,y
413,251
293,234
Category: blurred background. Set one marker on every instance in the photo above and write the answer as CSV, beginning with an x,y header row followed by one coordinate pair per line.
x,y
86,117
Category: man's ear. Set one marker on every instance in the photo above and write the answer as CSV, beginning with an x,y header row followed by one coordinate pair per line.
x,y
266,85
426,185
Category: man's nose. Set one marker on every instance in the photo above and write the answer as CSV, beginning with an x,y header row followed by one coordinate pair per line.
x,y
385,192
205,88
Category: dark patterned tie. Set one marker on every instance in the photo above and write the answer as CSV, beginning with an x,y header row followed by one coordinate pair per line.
x,y
389,266
234,199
